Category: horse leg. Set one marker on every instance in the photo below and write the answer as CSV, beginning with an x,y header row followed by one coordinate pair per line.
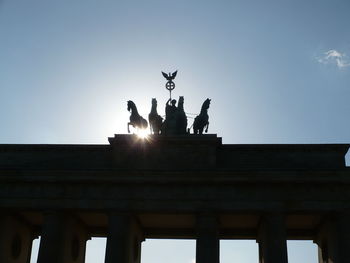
x,y
156,130
206,129
128,127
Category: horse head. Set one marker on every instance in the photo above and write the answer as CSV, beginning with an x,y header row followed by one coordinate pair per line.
x,y
154,101
181,100
206,104
131,105
180,104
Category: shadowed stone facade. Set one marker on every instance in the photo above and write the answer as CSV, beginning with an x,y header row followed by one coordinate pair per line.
x,y
189,186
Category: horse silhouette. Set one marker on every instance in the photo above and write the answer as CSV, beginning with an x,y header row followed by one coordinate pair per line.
x,y
135,119
202,120
154,119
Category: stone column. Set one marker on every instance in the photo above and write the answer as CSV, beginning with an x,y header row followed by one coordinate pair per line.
x,y
52,238
63,239
123,240
324,239
343,237
272,239
333,239
15,239
207,243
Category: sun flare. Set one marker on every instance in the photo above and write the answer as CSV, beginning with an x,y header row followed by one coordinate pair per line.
x,y
142,133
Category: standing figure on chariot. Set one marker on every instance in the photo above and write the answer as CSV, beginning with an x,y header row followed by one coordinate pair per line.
x,y
170,109
169,125
175,118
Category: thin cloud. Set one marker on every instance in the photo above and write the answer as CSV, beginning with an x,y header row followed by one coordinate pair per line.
x,y
334,57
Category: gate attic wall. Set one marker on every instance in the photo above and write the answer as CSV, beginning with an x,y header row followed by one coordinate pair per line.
x,y
172,187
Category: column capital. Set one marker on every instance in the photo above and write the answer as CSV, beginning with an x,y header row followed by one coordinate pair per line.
x,y
270,220
207,220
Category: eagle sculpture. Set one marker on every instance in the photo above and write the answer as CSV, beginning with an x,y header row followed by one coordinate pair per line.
x,y
169,76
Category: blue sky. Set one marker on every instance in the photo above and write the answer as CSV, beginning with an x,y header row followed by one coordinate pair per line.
x,y
276,71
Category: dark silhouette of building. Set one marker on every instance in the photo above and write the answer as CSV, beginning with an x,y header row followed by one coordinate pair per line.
x,y
190,186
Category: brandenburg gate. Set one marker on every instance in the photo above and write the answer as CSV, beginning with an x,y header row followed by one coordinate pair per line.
x,y
184,186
